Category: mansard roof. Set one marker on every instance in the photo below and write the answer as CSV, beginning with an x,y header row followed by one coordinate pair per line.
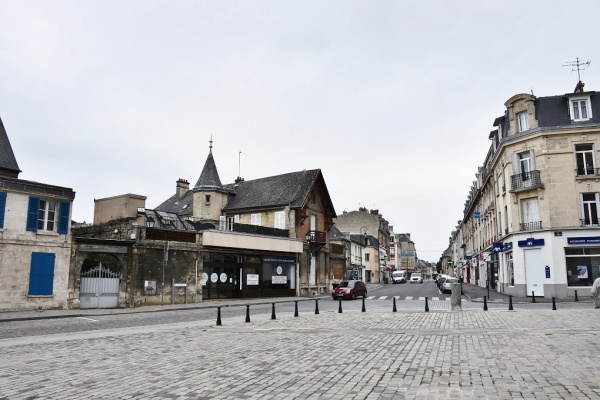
x,y
8,162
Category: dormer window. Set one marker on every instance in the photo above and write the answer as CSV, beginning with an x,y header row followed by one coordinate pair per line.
x,y
580,108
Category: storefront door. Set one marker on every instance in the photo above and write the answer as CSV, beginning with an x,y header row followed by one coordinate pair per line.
x,y
534,272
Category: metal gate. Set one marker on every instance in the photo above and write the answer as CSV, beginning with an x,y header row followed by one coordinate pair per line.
x,y
99,288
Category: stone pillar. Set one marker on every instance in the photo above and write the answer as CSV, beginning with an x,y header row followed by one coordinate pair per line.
x,y
455,299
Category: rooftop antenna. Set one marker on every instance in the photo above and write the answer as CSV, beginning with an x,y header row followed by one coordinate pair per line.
x,y
578,66
240,162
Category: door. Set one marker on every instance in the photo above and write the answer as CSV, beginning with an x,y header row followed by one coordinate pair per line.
x,y
534,272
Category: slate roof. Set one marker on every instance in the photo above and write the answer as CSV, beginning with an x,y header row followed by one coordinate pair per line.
x,y
209,177
288,189
7,157
183,206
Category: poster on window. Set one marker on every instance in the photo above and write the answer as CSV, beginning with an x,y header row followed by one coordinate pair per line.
x,y
279,280
582,271
252,279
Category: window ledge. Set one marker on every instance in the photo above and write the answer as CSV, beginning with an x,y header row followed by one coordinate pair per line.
x,y
40,296
47,233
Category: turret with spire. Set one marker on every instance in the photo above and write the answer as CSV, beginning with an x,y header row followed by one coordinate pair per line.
x,y
209,194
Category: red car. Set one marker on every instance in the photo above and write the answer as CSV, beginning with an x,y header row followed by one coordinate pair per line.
x,y
350,290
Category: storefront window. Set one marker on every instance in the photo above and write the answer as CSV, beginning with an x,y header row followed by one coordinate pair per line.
x,y
583,266
279,273
510,272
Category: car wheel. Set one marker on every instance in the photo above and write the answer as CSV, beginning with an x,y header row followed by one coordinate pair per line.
x,y
353,296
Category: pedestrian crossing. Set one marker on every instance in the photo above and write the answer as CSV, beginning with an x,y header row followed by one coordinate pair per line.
x,y
407,298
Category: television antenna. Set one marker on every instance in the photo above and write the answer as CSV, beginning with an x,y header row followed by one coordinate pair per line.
x,y
577,66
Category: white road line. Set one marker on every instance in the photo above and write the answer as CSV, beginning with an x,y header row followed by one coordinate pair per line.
x,y
421,298
88,319
408,298
397,297
371,298
383,298
435,298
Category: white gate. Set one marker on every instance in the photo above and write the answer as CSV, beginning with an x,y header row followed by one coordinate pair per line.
x,y
99,288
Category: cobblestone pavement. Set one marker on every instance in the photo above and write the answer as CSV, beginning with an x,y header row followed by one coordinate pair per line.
x,y
469,354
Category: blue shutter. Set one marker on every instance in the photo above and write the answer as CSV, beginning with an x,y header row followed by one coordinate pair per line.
x,y
63,217
32,214
41,275
2,208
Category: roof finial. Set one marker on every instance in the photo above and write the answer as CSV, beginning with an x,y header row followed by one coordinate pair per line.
x,y
210,147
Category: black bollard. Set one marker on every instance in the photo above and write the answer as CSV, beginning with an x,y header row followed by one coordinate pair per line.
x,y
576,299
426,305
485,303
296,308
553,304
316,306
218,316
510,307
394,308
363,307
273,312
247,312
340,307
532,296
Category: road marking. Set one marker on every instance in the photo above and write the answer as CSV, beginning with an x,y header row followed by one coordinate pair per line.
x,y
397,297
421,298
88,319
408,298
371,298
383,298
435,298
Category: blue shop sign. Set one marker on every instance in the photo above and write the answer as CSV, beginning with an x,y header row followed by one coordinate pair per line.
x,y
584,240
507,246
531,242
497,247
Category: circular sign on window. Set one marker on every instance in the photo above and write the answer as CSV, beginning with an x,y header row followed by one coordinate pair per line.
x,y
204,278
223,277
214,277
279,270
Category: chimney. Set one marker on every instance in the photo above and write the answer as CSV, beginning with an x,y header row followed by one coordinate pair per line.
x,y
239,179
181,188
374,212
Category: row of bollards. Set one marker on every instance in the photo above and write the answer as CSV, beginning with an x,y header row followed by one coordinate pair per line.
x,y
394,308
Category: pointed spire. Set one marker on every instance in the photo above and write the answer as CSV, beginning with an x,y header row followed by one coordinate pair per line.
x,y
209,177
8,162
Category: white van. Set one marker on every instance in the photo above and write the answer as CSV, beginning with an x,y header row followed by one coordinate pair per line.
x,y
399,277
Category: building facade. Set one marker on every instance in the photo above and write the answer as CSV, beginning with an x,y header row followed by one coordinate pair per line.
x,y
530,225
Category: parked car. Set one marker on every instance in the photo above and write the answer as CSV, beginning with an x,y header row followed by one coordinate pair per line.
x,y
446,286
350,290
416,278
399,277
440,280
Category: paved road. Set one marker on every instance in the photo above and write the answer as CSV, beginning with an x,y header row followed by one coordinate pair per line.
x,y
532,352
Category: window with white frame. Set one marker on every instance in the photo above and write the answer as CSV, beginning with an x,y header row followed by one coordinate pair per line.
x,y
584,154
47,215
255,219
589,208
530,214
580,108
510,272
231,221
279,219
523,121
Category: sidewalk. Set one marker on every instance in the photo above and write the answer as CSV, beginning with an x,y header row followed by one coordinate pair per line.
x,y
476,293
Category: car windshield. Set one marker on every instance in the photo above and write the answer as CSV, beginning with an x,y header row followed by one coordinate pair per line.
x,y
451,280
416,276
347,284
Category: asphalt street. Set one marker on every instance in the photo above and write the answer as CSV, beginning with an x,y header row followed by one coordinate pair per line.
x,y
531,352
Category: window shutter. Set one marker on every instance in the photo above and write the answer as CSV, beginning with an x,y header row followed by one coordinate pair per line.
x,y
32,214
515,164
2,208
41,276
532,155
222,223
63,217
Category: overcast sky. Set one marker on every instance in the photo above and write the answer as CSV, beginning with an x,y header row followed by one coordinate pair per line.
x,y
392,100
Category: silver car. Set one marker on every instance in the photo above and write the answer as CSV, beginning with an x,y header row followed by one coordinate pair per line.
x,y
447,285
416,278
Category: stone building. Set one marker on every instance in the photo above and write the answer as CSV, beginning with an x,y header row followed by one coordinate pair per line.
x,y
530,225
35,238
257,238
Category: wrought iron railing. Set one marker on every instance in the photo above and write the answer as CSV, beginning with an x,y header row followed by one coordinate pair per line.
x,y
530,226
587,171
526,180
316,237
589,222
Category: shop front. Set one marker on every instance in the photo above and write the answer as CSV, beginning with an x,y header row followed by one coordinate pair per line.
x,y
231,275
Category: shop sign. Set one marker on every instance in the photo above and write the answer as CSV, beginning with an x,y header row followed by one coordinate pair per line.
x,y
252,279
497,247
279,260
584,240
279,280
507,246
531,242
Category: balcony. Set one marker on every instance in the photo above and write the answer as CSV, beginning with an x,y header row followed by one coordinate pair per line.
x,y
587,172
588,222
260,230
525,181
531,226
316,238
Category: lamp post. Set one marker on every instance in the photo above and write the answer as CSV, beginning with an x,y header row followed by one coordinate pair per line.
x,y
365,237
